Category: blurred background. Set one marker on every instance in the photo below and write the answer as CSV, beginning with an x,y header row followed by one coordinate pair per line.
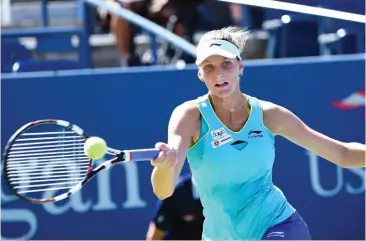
x,y
92,61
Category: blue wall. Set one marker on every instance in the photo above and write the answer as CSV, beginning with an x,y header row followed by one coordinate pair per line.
x,y
131,109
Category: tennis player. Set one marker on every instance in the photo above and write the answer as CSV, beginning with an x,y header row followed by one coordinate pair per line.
x,y
228,139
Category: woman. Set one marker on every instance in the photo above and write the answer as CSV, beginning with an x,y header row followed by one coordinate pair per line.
x,y
228,139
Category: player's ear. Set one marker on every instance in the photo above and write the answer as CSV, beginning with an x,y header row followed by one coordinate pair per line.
x,y
199,74
241,68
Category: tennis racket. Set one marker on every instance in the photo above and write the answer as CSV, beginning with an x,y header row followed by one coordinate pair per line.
x,y
44,160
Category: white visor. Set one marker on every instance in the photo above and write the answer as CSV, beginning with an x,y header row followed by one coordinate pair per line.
x,y
216,47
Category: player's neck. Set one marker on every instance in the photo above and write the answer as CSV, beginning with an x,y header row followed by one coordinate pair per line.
x,y
235,102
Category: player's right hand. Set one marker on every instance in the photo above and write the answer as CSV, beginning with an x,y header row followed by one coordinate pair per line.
x,y
168,157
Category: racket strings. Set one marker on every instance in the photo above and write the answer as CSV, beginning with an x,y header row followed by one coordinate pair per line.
x,y
41,169
42,156
50,160
54,164
42,163
49,142
27,154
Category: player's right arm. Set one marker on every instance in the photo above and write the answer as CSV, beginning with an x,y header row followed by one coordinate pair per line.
x,y
183,125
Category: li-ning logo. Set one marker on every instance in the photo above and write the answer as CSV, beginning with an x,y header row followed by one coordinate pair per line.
x,y
255,134
276,234
215,44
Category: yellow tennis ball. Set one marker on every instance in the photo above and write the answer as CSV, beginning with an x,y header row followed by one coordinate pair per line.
x,y
95,148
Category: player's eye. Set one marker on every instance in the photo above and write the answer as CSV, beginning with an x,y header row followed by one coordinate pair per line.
x,y
226,63
208,66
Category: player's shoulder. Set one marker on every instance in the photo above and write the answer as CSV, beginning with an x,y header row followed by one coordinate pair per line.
x,y
268,106
272,113
188,110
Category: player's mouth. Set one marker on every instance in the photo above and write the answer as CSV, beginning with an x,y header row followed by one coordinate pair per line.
x,y
221,84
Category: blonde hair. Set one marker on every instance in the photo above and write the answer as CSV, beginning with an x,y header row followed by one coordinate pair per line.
x,y
233,34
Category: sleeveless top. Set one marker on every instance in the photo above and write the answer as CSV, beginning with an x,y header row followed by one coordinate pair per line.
x,y
233,176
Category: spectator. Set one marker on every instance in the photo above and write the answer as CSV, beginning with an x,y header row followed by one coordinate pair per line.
x,y
157,11
178,217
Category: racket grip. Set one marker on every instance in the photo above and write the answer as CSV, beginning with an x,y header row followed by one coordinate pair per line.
x,y
141,154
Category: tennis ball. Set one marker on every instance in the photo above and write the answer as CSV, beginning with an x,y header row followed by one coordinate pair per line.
x,y
95,148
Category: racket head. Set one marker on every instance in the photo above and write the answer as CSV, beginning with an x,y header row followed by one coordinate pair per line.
x,y
44,161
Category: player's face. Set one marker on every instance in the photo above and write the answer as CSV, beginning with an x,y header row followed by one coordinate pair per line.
x,y
220,74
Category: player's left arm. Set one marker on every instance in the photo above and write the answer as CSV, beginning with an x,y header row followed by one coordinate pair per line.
x,y
283,122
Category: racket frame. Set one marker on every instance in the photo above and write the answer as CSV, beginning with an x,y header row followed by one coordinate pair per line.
x,y
119,156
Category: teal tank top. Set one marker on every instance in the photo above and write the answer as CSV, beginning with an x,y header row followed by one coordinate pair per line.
x,y
233,176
